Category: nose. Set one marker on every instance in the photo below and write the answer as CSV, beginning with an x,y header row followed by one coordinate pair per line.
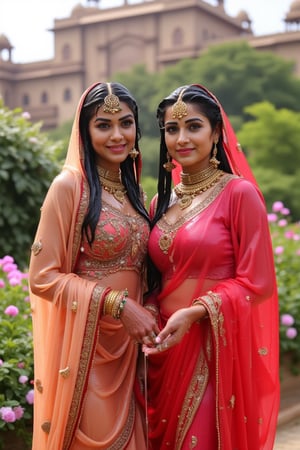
x,y
182,137
116,133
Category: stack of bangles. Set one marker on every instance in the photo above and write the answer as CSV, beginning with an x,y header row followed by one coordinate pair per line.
x,y
114,303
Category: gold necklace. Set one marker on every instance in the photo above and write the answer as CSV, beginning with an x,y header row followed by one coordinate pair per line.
x,y
111,182
192,185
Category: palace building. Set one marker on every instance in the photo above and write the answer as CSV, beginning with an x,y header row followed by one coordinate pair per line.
x,y
93,43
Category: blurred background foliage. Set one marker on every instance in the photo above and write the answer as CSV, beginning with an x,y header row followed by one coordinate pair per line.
x,y
258,91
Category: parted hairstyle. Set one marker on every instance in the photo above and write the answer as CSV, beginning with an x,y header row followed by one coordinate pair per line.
x,y
130,169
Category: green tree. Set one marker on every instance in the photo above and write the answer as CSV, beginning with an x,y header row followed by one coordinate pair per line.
x,y
239,75
271,142
27,166
142,85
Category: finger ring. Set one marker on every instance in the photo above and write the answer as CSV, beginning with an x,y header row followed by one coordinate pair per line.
x,y
152,335
165,345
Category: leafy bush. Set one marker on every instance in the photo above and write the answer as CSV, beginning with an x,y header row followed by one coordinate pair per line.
x,y
286,244
27,166
16,350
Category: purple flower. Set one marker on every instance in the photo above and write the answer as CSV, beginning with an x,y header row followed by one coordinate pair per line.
x,y
277,206
23,379
30,397
11,310
287,320
7,414
19,412
291,333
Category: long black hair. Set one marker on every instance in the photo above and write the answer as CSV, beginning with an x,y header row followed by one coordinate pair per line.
x,y
207,105
211,110
129,168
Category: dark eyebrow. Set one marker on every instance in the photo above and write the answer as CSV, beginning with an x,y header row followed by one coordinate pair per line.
x,y
193,119
103,119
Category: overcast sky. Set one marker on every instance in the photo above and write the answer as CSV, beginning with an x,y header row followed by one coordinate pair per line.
x,y
26,22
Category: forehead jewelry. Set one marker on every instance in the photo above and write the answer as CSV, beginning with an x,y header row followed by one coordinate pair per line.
x,y
179,108
111,102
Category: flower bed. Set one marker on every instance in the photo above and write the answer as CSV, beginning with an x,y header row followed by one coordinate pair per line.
x,y
16,355
286,244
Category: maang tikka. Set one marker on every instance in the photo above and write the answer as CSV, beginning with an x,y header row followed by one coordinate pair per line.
x,y
179,109
111,102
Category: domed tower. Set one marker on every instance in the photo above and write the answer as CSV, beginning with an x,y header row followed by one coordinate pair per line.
x,y
5,48
244,19
292,19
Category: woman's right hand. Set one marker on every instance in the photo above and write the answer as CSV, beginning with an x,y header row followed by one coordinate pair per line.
x,y
140,324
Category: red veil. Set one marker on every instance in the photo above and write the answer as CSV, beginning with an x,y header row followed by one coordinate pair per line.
x,y
243,325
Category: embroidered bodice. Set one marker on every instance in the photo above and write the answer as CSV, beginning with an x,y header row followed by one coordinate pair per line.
x,y
191,243
120,244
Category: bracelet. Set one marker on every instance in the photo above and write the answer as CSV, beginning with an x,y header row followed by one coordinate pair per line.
x,y
114,303
121,304
198,302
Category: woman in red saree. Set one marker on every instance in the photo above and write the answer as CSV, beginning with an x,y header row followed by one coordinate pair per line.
x,y
86,282
213,375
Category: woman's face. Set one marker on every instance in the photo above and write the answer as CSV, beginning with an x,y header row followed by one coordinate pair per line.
x,y
189,140
112,136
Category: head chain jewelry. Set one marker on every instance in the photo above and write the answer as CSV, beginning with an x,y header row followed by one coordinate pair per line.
x,y
111,102
179,108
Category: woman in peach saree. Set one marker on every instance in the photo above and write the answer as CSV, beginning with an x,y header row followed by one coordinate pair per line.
x,y
213,376
86,283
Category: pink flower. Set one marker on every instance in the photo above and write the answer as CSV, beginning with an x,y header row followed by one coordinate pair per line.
x,y
291,333
2,283
1,362
282,223
21,365
272,217
285,211
19,412
298,252
30,397
23,379
8,267
26,115
279,250
287,320
7,414
11,310
289,234
296,237
7,259
277,206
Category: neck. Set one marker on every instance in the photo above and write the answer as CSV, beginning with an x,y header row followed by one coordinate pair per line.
x,y
189,179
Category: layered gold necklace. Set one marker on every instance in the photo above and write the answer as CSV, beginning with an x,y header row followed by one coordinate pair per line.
x,y
192,185
111,182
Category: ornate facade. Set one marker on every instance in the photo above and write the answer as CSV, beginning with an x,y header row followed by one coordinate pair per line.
x,y
92,44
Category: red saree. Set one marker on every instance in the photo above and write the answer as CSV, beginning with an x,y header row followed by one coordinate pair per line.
x,y
219,388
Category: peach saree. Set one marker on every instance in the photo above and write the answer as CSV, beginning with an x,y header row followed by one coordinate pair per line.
x,y
73,344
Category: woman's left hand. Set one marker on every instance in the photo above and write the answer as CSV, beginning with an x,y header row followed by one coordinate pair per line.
x,y
176,327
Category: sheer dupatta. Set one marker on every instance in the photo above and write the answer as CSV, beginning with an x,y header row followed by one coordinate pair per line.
x,y
241,335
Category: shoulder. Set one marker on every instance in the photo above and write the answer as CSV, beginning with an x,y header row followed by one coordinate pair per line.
x,y
64,187
245,192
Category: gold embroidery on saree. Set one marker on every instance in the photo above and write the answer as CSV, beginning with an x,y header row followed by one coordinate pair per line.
x,y
169,230
86,356
192,399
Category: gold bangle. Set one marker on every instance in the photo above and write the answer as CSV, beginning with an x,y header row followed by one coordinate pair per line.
x,y
121,304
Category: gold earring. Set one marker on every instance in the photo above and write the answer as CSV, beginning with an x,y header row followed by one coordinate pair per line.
x,y
133,153
169,166
213,160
